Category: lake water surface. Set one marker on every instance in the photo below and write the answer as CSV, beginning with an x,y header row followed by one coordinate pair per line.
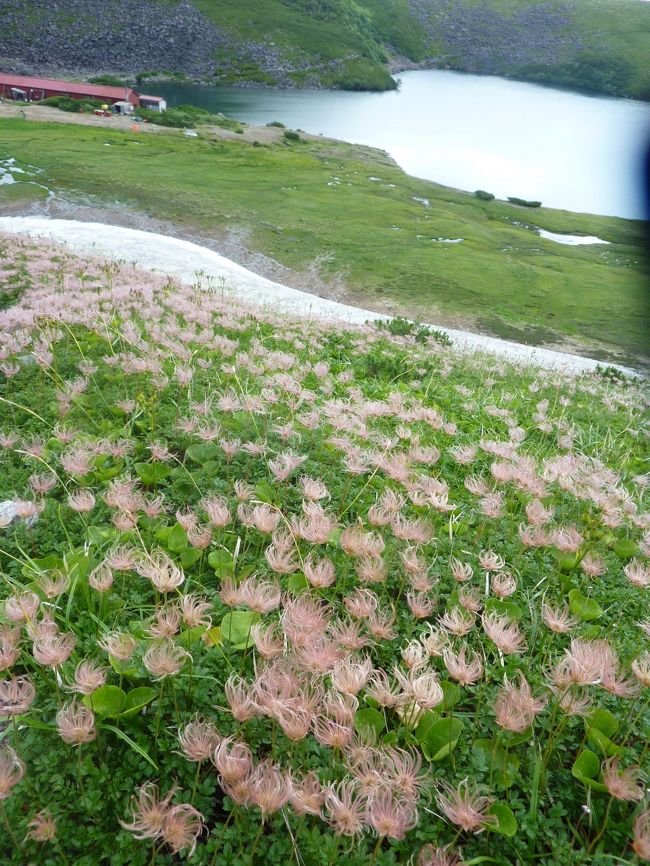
x,y
566,149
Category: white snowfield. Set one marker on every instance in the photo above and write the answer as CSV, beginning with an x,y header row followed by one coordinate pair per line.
x,y
191,264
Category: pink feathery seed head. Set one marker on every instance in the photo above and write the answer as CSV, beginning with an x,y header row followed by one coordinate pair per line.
x,y
285,464
122,558
381,624
641,669
470,599
431,855
199,537
261,596
182,826
315,653
306,795
389,814
163,573
592,565
411,530
45,625
16,696
119,645
198,740
167,621
331,733
457,621
412,561
491,561
380,689
22,606
268,641
515,707
420,604
148,811
217,510
88,677
624,784
243,491
76,724
53,583
280,560
268,788
240,696
349,676
319,571
81,501
164,659
345,808
558,620
435,641
641,842
42,827
503,584
9,646
504,633
125,521
53,650
414,655
464,807
460,571
361,603
193,610
187,518
233,760
566,539
370,569
101,577
12,771
638,573
42,483
466,667
153,508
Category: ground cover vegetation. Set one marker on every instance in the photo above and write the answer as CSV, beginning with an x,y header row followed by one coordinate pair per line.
x,y
288,591
598,45
391,253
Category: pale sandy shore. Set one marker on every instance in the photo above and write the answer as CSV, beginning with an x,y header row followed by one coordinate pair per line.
x,y
191,264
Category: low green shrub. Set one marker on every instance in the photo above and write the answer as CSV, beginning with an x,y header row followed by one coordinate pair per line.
x,y
522,202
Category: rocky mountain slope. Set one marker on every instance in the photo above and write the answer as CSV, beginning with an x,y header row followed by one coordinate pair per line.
x,y
595,44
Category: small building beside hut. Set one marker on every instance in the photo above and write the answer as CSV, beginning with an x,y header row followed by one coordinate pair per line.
x,y
153,103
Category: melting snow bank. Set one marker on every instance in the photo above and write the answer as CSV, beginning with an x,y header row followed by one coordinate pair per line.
x,y
570,240
193,264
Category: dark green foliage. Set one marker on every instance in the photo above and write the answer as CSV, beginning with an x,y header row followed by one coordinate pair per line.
x,y
522,202
483,195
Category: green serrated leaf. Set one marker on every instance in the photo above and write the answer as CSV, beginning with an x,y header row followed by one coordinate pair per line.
x,y
136,700
369,719
106,701
177,539
586,768
151,473
503,765
584,608
236,628
506,823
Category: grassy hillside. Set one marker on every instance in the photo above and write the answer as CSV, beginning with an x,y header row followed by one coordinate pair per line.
x,y
372,231
282,592
598,45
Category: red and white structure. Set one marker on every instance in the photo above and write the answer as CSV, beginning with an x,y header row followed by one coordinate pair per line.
x,y
23,88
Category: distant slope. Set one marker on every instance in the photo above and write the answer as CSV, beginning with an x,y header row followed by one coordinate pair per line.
x,y
600,45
